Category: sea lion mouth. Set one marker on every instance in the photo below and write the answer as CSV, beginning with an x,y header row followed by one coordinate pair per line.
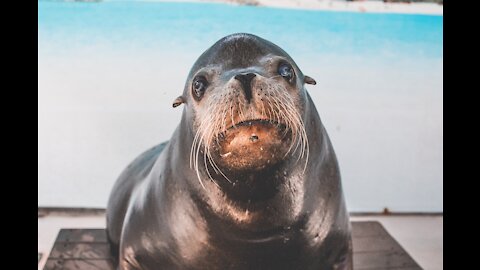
x,y
252,122
252,145
257,122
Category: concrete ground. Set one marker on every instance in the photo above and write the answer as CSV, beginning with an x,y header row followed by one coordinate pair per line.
x,y
421,236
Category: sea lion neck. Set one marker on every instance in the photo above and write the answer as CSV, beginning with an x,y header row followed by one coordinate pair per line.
x,y
254,186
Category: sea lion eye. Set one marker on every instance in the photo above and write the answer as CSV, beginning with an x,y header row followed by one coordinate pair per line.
x,y
286,71
199,86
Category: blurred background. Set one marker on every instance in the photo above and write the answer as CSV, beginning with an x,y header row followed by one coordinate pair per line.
x,y
108,72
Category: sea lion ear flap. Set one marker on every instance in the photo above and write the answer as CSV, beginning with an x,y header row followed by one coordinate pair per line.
x,y
178,101
309,80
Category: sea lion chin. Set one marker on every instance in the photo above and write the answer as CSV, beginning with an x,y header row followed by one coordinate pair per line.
x,y
252,145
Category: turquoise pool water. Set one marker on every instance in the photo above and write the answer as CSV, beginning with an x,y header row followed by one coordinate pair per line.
x,y
109,71
182,26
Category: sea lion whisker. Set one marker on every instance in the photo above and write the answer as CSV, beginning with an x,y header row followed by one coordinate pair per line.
x,y
198,171
289,123
205,157
209,130
192,149
214,165
288,105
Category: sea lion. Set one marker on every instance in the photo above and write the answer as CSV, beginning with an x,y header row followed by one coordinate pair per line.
x,y
249,179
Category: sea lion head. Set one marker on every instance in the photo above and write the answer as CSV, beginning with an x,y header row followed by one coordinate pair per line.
x,y
246,98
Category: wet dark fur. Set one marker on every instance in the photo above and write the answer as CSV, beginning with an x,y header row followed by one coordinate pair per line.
x,y
284,217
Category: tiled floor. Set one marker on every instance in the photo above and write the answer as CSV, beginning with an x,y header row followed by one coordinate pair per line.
x,y
421,236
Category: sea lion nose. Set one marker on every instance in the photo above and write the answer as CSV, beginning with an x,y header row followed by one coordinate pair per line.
x,y
246,81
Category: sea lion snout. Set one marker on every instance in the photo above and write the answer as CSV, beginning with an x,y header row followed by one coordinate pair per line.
x,y
246,80
258,121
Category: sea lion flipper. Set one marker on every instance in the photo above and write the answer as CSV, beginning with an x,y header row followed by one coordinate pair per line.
x,y
309,80
178,101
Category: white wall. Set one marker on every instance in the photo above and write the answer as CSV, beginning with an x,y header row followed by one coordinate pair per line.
x,y
99,109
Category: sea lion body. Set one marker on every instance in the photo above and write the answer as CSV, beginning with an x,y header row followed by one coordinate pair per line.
x,y
267,194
